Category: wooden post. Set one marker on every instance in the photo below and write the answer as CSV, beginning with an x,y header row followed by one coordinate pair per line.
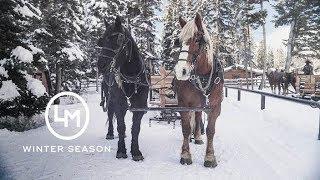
x,y
226,91
163,84
263,102
239,94
319,128
97,80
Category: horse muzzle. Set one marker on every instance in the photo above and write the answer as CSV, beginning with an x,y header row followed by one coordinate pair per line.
x,y
182,70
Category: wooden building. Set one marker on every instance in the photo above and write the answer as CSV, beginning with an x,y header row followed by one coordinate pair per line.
x,y
238,71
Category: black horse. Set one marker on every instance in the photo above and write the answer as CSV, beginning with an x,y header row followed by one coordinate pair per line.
x,y
125,83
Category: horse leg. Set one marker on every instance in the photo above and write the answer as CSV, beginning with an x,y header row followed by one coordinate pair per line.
x,y
279,88
186,131
121,127
135,130
197,132
210,160
202,127
110,134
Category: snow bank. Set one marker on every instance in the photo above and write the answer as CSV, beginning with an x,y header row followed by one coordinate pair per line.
x,y
277,143
35,86
22,123
3,72
8,91
22,54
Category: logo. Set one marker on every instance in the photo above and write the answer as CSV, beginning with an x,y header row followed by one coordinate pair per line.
x,y
67,116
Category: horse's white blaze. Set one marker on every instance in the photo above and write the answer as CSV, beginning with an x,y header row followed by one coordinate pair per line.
x,y
184,55
182,70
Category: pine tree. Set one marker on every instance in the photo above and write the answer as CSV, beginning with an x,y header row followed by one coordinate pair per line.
x,y
62,28
270,59
171,31
21,95
259,56
279,58
143,27
303,18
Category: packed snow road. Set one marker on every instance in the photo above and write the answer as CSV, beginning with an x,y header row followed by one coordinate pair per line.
x,y
277,143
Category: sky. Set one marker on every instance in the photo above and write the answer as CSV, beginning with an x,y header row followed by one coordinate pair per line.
x,y
275,36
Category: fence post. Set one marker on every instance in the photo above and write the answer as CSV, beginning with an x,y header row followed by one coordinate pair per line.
x,y
239,94
263,102
226,91
319,128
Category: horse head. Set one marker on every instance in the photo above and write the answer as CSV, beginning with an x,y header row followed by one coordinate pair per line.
x,y
116,44
196,53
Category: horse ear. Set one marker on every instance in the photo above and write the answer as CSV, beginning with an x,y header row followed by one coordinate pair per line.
x,y
198,21
182,22
118,21
105,22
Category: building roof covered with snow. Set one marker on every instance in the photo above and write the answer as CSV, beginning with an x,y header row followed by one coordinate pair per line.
x,y
239,71
240,66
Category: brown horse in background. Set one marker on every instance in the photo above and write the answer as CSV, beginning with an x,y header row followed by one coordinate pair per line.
x,y
290,78
276,80
196,62
281,80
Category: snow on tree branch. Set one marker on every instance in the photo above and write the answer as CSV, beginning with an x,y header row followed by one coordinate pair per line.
x,y
22,54
8,91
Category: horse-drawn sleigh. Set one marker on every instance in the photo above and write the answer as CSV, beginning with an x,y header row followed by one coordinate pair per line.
x,y
198,84
162,95
308,86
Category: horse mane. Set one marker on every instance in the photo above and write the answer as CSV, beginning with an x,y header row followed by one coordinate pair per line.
x,y
190,29
135,49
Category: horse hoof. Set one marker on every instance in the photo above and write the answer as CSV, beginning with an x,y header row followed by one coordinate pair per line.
x,y
109,136
198,142
210,164
121,155
137,158
185,161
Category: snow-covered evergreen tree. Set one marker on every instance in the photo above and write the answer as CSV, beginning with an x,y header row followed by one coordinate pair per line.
x,y
143,26
171,31
21,95
279,58
259,55
63,31
270,59
303,18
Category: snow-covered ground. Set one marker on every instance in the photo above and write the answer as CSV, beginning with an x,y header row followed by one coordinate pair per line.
x,y
277,143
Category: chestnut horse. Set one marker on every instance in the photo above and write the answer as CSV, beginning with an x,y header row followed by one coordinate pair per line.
x,y
276,80
199,83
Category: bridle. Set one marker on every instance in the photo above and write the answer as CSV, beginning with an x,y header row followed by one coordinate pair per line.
x,y
125,43
202,46
194,77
